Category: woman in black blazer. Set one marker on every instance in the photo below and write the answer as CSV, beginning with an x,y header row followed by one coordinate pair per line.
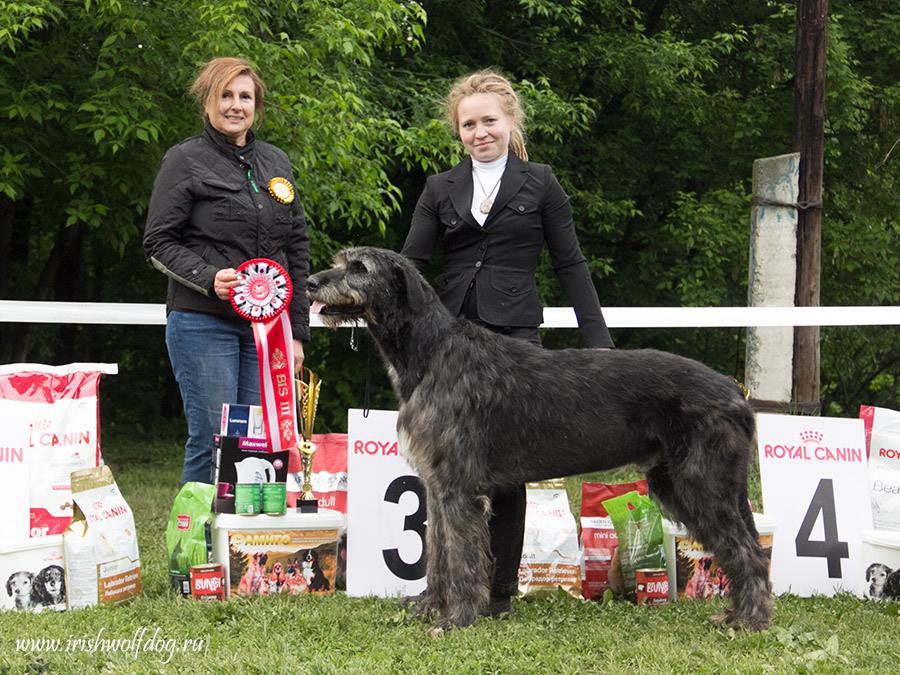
x,y
492,214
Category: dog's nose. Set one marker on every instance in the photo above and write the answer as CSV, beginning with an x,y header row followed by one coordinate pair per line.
x,y
312,283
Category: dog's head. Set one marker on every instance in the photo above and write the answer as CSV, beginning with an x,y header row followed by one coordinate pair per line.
x,y
19,585
50,585
364,283
891,589
277,568
876,575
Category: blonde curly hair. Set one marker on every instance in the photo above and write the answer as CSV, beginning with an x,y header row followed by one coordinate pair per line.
x,y
489,82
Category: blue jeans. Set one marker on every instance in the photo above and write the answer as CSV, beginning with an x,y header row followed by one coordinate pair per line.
x,y
214,362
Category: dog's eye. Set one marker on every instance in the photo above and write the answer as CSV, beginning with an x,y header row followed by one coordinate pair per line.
x,y
357,267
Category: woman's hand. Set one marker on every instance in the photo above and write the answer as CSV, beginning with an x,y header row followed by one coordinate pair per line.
x,y
224,281
298,357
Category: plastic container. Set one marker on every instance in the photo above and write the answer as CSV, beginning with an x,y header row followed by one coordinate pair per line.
x,y
33,576
292,553
695,573
880,553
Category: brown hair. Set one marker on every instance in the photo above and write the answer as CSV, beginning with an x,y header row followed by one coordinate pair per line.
x,y
489,82
216,75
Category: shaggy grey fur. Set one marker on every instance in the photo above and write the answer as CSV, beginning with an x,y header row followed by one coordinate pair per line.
x,y
480,411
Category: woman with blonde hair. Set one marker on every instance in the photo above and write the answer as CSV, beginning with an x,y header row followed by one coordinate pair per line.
x,y
220,199
492,214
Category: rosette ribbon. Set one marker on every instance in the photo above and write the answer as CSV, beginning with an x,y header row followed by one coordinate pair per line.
x,y
262,298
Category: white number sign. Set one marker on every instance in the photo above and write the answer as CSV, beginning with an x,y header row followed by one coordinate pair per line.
x,y
385,510
813,473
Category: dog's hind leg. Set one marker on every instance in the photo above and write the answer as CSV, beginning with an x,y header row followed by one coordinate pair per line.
x,y
710,508
462,584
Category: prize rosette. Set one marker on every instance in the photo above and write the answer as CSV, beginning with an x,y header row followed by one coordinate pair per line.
x,y
265,291
261,298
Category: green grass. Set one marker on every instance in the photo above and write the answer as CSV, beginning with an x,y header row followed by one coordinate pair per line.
x,y
337,634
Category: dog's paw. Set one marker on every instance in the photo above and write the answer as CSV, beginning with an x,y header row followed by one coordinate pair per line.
x,y
729,619
721,620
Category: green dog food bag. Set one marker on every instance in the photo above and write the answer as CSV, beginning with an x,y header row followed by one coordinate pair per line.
x,y
188,533
638,525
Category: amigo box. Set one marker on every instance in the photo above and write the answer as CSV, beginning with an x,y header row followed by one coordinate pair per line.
x,y
263,555
695,573
33,576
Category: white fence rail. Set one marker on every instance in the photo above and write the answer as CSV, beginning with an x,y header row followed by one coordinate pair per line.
x,y
18,311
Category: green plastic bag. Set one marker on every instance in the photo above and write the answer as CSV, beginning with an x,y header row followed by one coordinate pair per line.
x,y
638,524
188,533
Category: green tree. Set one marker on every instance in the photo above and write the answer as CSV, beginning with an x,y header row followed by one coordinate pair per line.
x,y
650,111
94,91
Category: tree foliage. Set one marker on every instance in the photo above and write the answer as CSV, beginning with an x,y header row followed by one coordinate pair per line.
x,y
650,111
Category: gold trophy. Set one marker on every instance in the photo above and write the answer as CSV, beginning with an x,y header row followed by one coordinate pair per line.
x,y
308,401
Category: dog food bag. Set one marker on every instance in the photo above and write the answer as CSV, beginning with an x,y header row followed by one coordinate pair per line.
x,y
883,434
49,427
638,524
873,416
551,558
884,477
101,551
188,533
598,536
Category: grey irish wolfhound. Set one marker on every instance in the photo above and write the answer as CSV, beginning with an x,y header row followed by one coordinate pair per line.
x,y
480,411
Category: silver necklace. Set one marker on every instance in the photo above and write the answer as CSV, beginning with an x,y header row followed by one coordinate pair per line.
x,y
486,205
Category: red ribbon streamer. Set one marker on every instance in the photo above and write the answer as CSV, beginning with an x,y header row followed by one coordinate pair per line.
x,y
276,378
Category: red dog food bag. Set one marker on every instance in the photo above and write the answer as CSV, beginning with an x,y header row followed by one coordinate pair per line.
x,y
883,439
598,536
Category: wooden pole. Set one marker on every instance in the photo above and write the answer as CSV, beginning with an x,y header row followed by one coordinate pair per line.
x,y
809,123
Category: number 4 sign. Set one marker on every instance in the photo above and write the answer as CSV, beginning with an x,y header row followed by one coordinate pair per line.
x,y
813,473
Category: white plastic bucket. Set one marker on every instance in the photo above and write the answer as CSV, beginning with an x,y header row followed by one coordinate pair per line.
x,y
881,559
695,573
25,570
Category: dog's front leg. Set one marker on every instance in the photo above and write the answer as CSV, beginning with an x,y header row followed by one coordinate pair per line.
x,y
462,578
428,604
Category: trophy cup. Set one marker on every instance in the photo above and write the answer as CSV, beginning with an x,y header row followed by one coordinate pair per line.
x,y
308,400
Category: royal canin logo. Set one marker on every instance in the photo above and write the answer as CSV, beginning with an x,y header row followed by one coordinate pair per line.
x,y
183,522
40,434
811,436
889,453
383,448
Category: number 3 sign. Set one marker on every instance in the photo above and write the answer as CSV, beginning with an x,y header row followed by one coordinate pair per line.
x,y
385,510
813,473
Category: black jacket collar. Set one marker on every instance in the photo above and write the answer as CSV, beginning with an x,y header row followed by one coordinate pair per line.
x,y
460,186
242,154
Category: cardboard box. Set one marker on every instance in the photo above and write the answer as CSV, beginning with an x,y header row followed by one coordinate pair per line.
x,y
265,555
245,460
242,420
695,573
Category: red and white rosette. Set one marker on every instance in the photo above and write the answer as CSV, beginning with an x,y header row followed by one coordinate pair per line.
x,y
265,291
261,298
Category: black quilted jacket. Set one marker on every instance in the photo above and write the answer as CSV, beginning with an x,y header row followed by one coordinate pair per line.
x,y
210,209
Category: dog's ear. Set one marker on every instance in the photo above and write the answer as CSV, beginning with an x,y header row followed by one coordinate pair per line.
x,y
412,283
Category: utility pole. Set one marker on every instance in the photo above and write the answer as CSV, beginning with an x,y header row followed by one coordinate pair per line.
x,y
809,122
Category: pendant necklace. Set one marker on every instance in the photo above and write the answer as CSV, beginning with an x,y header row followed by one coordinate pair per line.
x,y
486,205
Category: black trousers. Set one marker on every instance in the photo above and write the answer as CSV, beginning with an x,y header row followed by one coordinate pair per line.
x,y
507,523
